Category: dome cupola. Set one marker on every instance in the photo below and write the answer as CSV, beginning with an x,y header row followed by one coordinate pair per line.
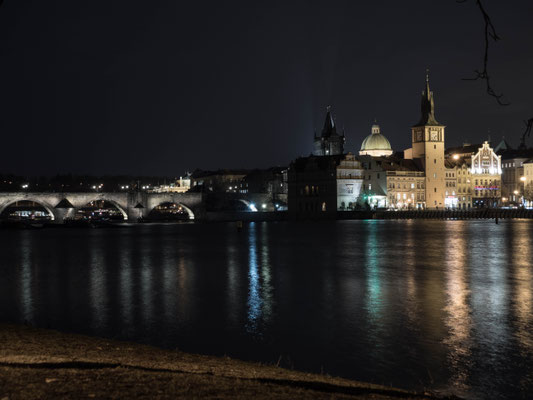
x,y
376,144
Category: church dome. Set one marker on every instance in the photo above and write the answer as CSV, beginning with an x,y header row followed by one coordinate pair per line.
x,y
376,144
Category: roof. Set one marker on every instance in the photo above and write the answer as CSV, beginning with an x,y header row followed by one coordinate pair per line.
x,y
395,163
330,128
503,145
465,149
375,141
320,162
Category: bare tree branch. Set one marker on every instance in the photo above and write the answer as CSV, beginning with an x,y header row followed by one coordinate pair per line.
x,y
490,33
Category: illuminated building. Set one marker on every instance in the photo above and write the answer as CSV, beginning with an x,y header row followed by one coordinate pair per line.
x,y
527,180
181,185
477,169
329,143
513,170
427,138
486,174
393,182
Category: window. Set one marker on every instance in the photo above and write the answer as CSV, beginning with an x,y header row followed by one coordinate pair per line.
x,y
435,147
434,161
412,185
324,206
435,175
435,189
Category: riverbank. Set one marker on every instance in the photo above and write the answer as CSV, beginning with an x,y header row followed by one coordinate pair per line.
x,y
40,364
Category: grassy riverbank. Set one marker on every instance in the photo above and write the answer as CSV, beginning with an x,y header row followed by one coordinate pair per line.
x,y
40,364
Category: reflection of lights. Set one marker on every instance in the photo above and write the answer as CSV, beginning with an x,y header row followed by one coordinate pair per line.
x,y
458,309
252,207
254,298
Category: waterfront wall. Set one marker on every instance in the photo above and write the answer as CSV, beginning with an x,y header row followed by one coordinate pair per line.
x,y
443,214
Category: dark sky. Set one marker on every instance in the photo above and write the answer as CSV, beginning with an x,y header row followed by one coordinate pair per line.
x,y
160,87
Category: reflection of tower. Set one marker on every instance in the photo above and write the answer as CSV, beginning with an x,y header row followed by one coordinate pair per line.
x,y
330,143
428,146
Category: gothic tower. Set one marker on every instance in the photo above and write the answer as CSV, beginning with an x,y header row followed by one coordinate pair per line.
x,y
428,146
329,143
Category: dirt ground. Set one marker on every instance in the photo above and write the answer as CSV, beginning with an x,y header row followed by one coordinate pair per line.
x,y
45,364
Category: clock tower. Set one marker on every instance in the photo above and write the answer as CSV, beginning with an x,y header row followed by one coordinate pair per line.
x,y
428,146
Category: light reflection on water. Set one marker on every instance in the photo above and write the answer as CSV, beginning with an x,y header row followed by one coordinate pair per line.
x,y
441,304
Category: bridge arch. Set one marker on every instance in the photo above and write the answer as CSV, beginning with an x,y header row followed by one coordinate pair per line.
x,y
189,212
47,207
115,204
250,206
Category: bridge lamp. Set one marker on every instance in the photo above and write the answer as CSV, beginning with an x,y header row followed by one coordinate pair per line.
x,y
515,192
263,206
24,186
94,187
456,156
252,207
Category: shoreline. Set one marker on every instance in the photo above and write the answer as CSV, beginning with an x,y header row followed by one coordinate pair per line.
x,y
282,216
40,363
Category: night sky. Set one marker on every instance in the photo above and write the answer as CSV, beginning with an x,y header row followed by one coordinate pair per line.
x,y
161,87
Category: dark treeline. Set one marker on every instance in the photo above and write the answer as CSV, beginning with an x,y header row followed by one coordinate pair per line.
x,y
79,183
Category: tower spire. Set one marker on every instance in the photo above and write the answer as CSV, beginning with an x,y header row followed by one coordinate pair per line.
x,y
427,105
329,124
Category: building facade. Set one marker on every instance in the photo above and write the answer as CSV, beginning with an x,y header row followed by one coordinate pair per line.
x,y
486,172
514,175
319,186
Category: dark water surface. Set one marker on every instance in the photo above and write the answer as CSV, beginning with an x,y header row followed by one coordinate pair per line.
x,y
444,305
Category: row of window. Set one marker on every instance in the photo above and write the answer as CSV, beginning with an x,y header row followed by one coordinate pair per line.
x,y
488,182
419,185
487,193
312,190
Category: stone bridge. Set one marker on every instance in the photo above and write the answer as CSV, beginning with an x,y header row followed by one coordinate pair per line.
x,y
132,204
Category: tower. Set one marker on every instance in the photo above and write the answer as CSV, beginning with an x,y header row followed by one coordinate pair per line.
x,y
329,143
428,146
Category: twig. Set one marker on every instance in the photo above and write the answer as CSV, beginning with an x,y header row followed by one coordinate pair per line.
x,y
490,33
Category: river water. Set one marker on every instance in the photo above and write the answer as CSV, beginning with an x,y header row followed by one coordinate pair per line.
x,y
442,305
